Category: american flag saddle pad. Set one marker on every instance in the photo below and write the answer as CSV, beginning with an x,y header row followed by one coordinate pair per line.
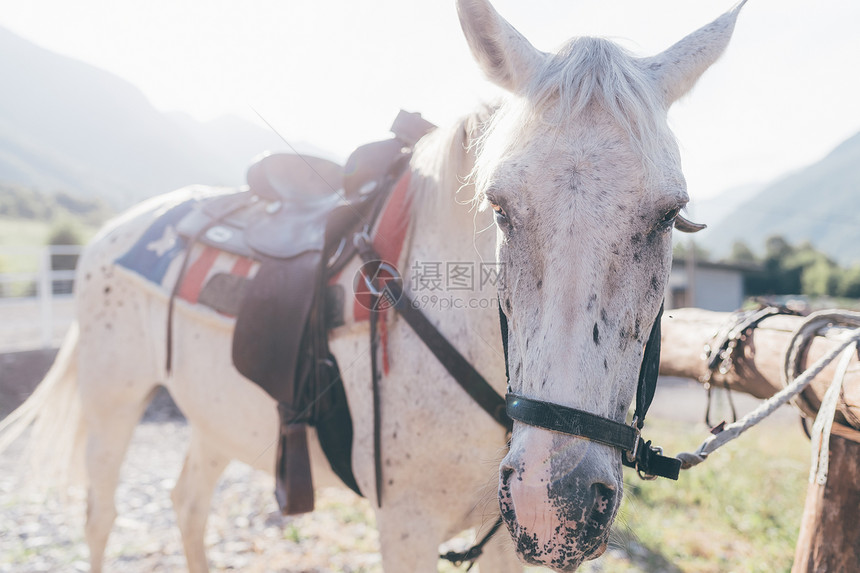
x,y
213,277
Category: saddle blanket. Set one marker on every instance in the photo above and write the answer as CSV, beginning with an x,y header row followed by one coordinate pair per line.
x,y
213,278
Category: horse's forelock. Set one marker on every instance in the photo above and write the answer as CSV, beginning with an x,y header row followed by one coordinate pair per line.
x,y
586,71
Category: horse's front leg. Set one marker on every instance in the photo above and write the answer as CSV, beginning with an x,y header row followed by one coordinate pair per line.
x,y
499,555
409,536
192,496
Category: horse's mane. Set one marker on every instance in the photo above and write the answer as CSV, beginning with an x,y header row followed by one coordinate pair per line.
x,y
444,159
585,72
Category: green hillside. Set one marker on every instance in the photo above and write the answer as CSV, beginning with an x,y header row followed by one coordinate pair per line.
x,y
819,203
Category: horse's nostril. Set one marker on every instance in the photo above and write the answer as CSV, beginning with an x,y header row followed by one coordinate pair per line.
x,y
603,509
505,473
506,501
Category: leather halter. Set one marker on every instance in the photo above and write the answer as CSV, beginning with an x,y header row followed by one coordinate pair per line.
x,y
636,452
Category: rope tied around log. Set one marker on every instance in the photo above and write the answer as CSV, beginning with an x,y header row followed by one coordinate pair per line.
x,y
719,352
798,346
801,339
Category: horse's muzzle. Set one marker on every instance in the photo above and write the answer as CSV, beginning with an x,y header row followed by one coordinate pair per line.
x,y
558,521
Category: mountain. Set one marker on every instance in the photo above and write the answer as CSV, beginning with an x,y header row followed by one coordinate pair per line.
x,y
714,210
68,126
819,203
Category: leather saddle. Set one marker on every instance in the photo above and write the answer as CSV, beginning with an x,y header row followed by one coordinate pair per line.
x,y
294,178
297,218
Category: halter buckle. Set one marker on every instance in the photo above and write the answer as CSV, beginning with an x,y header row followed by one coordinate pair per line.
x,y
631,454
645,476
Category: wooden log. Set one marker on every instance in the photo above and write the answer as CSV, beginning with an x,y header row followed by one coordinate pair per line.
x,y
758,362
829,538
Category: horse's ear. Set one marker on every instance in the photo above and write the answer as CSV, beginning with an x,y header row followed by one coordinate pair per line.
x,y
506,57
678,68
687,226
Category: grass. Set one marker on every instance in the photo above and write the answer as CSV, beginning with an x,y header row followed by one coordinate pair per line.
x,y
17,232
21,233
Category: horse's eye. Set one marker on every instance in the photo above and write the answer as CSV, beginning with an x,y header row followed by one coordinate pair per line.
x,y
499,214
669,217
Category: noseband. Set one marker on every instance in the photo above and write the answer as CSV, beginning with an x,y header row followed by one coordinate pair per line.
x,y
636,452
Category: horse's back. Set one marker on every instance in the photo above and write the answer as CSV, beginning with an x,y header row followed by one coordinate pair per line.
x,y
121,232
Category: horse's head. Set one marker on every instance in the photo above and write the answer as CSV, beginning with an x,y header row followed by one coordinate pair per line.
x,y
585,179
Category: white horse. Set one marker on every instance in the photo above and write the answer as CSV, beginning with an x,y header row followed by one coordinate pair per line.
x,y
582,176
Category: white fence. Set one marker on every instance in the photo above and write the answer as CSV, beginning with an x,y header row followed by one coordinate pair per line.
x,y
36,307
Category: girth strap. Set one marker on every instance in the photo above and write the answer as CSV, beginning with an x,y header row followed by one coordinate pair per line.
x,y
457,366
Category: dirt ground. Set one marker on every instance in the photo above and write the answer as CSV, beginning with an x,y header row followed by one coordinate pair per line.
x,y
22,323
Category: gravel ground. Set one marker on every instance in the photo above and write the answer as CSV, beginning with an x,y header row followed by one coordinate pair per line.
x,y
23,326
246,531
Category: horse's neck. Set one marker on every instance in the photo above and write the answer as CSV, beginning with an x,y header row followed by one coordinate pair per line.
x,y
447,226
450,232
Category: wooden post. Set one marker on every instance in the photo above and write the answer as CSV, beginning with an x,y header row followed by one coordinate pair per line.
x,y
46,293
829,538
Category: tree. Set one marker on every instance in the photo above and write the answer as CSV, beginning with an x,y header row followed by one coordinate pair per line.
x,y
741,253
820,278
849,283
681,250
64,232
776,248
789,269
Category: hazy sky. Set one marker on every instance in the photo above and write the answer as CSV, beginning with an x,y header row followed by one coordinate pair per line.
x,y
335,72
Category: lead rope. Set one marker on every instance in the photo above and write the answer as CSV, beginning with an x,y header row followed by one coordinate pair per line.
x,y
800,342
471,555
722,436
824,421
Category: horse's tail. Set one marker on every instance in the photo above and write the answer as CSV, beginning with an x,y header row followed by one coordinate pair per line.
x,y
55,445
